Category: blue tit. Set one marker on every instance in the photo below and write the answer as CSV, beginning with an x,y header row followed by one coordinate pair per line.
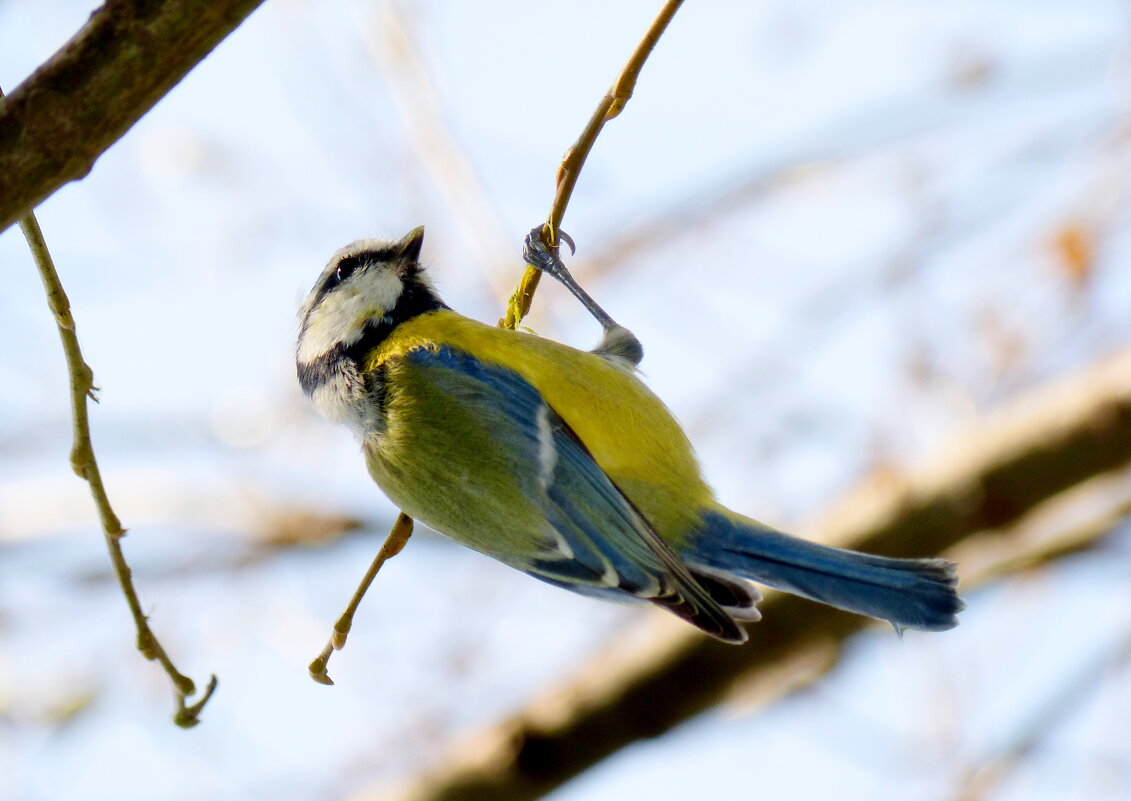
x,y
561,462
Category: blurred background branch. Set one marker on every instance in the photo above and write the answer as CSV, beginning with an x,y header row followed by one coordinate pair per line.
x,y
395,51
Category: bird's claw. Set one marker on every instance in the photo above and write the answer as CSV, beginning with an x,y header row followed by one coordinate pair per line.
x,y
535,252
541,256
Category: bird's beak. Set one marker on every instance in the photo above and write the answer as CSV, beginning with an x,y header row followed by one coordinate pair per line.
x,y
409,247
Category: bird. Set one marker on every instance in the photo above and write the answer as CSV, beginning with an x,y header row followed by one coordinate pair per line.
x,y
561,462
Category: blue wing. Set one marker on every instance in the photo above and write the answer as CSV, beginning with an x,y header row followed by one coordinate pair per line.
x,y
603,546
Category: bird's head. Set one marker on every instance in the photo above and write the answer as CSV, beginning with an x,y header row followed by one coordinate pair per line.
x,y
368,288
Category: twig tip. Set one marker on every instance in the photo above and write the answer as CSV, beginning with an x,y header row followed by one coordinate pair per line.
x,y
318,672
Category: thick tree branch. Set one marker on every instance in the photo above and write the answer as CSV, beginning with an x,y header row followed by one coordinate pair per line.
x,y
55,124
1048,442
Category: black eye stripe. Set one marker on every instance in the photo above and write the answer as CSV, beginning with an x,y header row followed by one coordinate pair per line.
x,y
347,267
351,264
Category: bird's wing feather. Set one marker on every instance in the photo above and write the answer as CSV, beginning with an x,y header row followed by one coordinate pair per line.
x,y
601,539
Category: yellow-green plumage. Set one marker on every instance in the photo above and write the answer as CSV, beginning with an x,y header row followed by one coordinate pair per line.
x,y
627,429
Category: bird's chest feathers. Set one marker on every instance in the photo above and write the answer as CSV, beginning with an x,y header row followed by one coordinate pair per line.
x,y
347,396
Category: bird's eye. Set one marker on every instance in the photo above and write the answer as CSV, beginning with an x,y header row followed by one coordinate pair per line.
x,y
345,269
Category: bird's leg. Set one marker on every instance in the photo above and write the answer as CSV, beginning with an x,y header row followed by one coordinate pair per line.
x,y
618,341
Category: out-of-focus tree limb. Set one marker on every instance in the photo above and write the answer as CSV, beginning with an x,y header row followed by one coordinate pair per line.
x,y
56,123
398,56
1055,438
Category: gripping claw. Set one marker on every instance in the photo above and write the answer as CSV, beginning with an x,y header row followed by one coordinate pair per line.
x,y
619,341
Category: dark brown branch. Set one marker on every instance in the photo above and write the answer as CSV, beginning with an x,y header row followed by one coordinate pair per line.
x,y
1051,441
56,124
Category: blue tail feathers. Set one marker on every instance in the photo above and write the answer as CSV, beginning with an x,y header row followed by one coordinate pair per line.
x,y
909,593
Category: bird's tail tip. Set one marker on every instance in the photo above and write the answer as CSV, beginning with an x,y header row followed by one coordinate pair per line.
x,y
908,593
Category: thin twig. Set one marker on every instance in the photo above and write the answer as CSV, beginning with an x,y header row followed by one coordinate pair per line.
x,y
86,467
610,106
398,536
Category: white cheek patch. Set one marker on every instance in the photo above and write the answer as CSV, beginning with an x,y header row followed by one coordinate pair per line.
x,y
382,288
342,313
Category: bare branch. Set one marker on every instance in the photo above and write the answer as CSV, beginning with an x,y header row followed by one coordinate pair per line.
x,y
1040,446
86,467
56,124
